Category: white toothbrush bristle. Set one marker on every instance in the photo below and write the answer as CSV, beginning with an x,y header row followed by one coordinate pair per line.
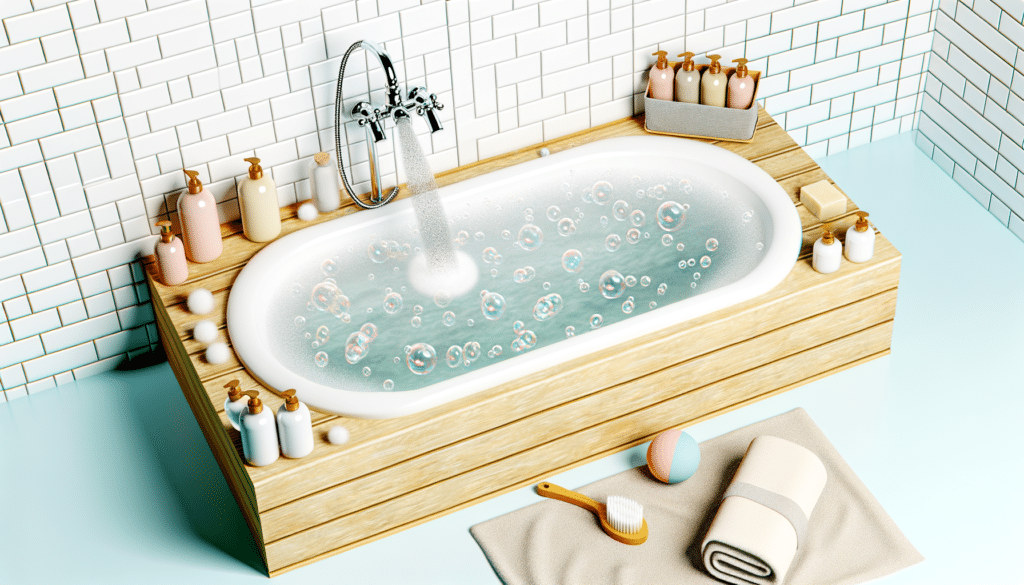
x,y
625,515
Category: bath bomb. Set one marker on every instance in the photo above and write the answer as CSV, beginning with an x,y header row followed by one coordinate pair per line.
x,y
673,456
200,302
205,332
307,211
218,353
338,435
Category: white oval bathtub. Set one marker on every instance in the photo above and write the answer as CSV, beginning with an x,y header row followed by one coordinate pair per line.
x,y
609,206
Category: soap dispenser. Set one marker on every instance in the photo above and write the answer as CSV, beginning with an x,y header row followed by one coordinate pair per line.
x,y
257,202
200,225
827,254
741,86
860,240
259,432
170,256
688,81
323,183
235,403
295,427
661,77
713,83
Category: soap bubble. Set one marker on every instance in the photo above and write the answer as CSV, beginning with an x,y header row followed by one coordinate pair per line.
x,y
495,351
666,240
630,280
448,319
321,359
570,331
470,352
682,264
489,255
356,347
442,298
506,235
547,307
645,280
671,216
662,288
378,252
657,192
494,273
339,305
417,309
454,356
395,250
529,339
296,288
528,212
323,334
554,213
637,218
518,327
462,237
620,210
612,284
584,287
680,247
612,243
523,275
653,304
492,305
596,320
421,359
603,220
546,286
416,321
748,215
367,371
479,236
392,303
469,322
601,192
759,246
693,285
691,262
300,321
530,237
324,295
696,275
518,345
566,227
389,385
572,261
705,261
627,307
369,330
712,244
497,260
633,236
329,268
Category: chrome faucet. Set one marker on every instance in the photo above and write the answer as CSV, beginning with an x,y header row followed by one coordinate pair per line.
x,y
373,118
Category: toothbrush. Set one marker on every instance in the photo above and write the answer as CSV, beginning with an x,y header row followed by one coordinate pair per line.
x,y
622,518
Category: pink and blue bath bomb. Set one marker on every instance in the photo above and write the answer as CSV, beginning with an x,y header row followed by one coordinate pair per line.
x,y
673,456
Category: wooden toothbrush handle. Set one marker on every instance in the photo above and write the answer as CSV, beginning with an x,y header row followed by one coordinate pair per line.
x,y
550,490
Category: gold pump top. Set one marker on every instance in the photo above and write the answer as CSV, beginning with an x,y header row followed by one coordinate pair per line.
x,y
715,67
194,184
165,231
291,401
255,404
662,59
741,69
828,238
255,170
862,222
234,392
688,64
322,158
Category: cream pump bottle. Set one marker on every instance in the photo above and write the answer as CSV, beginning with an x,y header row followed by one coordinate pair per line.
x,y
741,86
688,81
713,83
257,202
860,240
661,77
200,224
323,183
827,254
235,403
170,256
294,427
259,432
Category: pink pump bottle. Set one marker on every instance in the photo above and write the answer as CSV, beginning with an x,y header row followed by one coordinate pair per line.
x,y
662,78
170,256
200,225
741,86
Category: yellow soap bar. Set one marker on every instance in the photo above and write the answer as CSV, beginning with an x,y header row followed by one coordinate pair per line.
x,y
823,200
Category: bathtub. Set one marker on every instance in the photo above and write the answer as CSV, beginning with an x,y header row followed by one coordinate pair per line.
x,y
713,230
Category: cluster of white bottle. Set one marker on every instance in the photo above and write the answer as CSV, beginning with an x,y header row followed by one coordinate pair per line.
x,y
713,87
860,246
263,441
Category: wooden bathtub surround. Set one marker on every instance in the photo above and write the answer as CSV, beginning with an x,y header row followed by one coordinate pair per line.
x,y
394,474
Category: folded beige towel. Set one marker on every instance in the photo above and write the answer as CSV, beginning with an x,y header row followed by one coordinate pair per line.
x,y
764,514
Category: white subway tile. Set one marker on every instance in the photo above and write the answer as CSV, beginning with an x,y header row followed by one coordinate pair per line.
x,y
310,51
178,66
17,307
251,137
124,56
83,13
18,241
10,86
973,47
886,13
12,376
100,304
255,91
20,351
185,40
38,23
231,27
119,159
184,112
579,77
51,74
790,60
171,18
81,332
27,105
205,151
60,46
92,164
35,324
285,12
106,192
111,9
60,361
143,100
53,296
102,36
77,116
540,39
83,244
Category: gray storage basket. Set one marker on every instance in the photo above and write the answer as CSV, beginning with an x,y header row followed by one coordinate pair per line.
x,y
700,121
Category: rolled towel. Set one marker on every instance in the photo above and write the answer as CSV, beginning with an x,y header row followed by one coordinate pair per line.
x,y
764,513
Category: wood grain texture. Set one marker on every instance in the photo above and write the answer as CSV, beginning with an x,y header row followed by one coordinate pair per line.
x,y
397,473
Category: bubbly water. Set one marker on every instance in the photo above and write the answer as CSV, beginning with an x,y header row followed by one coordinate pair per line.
x,y
557,256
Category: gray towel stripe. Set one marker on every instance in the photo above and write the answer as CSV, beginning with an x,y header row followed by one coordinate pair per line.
x,y
781,504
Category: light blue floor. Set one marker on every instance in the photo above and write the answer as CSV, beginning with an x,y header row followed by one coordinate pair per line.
x,y
126,490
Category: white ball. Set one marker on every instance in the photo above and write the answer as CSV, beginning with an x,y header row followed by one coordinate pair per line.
x,y
338,435
218,353
205,332
307,211
544,151
200,302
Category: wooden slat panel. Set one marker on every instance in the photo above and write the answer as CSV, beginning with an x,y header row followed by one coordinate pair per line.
x,y
537,461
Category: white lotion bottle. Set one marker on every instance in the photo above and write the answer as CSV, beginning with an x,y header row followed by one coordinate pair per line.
x,y
259,432
828,253
235,403
860,240
324,185
294,427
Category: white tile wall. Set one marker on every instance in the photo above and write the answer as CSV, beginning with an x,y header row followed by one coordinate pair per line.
x,y
972,114
103,102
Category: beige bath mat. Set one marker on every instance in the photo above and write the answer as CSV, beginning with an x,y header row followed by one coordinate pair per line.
x,y
849,539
